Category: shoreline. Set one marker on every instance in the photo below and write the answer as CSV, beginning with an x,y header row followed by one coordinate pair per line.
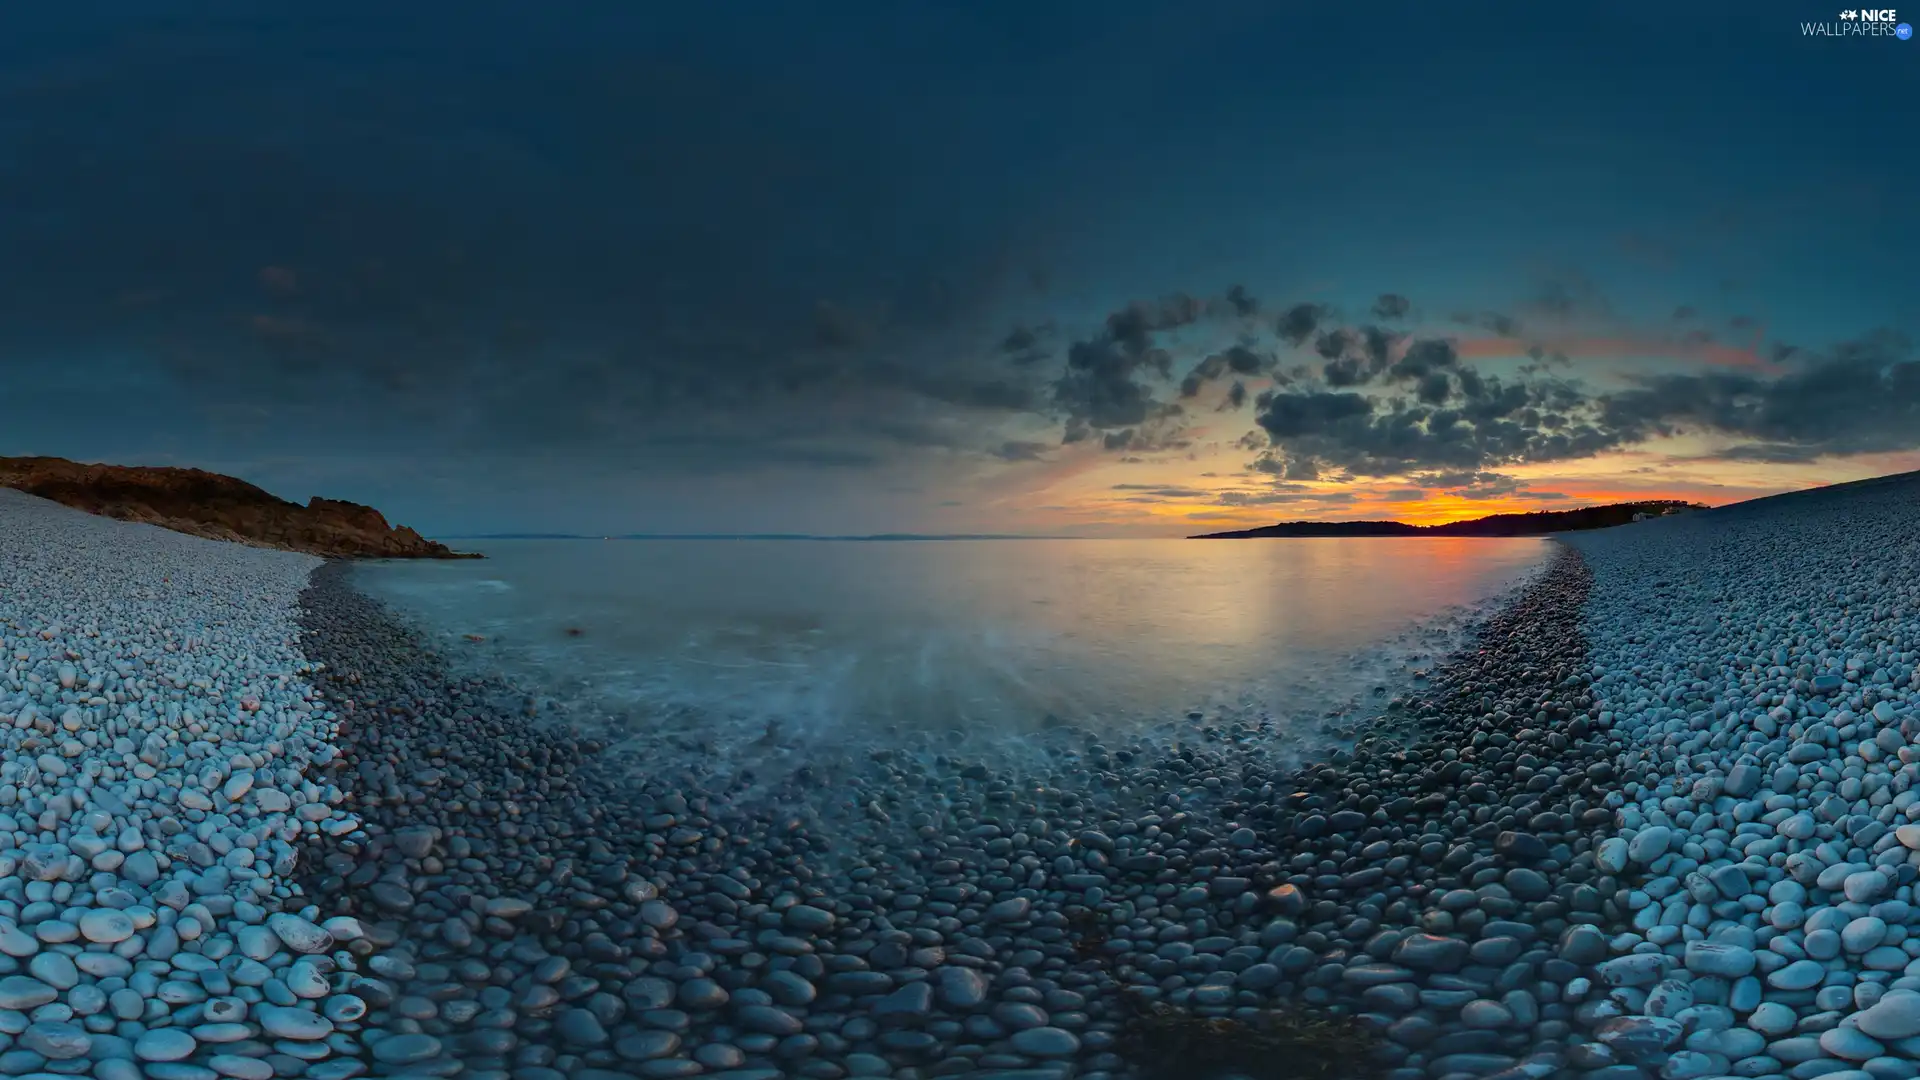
x,y
1124,843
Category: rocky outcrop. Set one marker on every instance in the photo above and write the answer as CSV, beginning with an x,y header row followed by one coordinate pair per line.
x,y
220,508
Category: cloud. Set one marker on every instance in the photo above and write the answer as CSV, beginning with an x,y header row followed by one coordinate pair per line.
x,y
1861,396
1165,491
1027,344
1391,306
1019,450
1297,324
1355,357
1445,424
1238,360
1144,440
1542,496
1310,413
1457,418
1426,357
1684,312
1105,382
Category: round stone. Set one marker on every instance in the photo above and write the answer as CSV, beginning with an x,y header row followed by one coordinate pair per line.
x,y
1047,1042
296,1024
56,1039
406,1049
106,927
164,1044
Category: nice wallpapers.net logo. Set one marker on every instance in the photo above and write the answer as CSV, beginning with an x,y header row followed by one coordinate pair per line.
x,y
1861,22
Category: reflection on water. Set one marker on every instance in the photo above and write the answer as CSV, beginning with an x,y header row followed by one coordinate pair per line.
x,y
817,638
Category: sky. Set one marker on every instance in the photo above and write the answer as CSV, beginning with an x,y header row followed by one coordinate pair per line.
x,y
1111,268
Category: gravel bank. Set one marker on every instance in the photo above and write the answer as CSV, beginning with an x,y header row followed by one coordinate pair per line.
x,y
162,747
1761,662
1658,822
552,915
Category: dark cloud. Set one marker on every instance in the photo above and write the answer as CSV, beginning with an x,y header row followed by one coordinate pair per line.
x,y
1469,484
1542,496
1165,491
1391,306
1457,419
1242,302
1027,345
1110,378
1684,312
1144,440
1424,358
1311,413
1020,450
1238,360
1236,396
1355,357
1743,322
1203,373
1298,323
1435,389
1447,481
1278,464
1862,396
1407,495
1456,426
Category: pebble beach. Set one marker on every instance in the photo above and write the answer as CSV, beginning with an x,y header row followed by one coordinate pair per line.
x,y
1657,821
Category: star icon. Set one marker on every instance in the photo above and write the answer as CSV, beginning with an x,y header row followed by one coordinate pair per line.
x,y
1849,14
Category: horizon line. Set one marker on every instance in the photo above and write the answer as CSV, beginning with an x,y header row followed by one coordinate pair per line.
x,y
869,537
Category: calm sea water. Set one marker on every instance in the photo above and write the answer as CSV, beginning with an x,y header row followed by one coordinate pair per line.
x,y
733,642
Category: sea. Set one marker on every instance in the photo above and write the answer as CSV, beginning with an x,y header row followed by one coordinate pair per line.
x,y
721,648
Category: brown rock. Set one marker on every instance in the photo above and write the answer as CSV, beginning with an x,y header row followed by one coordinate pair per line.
x,y
219,508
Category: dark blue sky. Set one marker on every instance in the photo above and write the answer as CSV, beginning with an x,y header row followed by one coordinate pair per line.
x,y
754,266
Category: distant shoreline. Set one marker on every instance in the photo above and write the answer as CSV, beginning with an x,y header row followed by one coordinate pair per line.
x,y
1499,526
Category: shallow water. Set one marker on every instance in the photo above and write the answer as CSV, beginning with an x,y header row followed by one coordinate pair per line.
x,y
843,640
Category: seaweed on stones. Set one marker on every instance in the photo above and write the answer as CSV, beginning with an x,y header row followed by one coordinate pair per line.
x,y
1290,1042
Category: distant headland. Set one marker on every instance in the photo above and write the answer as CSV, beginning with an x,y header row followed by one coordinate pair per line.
x,y
220,508
1538,523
